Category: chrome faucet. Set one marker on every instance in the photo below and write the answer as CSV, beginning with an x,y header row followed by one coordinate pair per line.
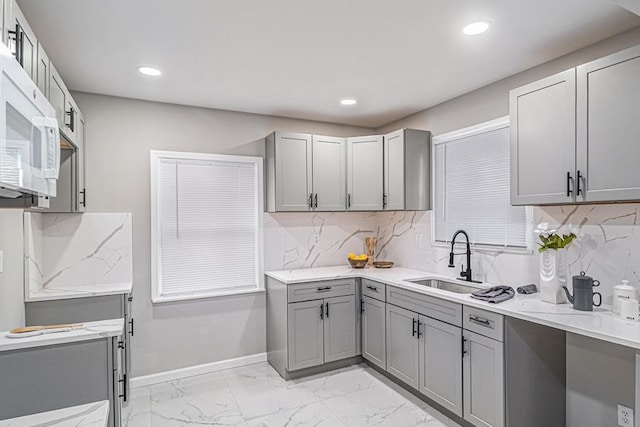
x,y
464,274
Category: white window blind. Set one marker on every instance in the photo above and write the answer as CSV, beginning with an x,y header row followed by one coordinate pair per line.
x,y
207,224
471,188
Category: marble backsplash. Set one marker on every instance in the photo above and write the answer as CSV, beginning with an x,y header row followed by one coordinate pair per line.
x,y
608,245
75,251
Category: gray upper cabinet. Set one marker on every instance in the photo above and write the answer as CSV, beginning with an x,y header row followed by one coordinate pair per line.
x,y
570,131
483,373
373,331
441,363
365,173
543,141
20,38
407,170
329,173
288,172
608,128
402,344
339,328
42,71
394,170
305,334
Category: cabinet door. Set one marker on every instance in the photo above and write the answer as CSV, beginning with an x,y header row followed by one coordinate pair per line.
x,y
543,140
21,38
373,331
394,171
483,381
339,328
58,96
441,363
293,171
305,334
609,127
364,173
402,344
42,71
329,173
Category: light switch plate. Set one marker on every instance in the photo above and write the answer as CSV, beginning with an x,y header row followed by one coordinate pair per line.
x,y
625,416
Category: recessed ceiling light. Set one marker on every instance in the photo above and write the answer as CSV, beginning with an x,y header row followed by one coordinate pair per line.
x,y
150,71
348,102
476,28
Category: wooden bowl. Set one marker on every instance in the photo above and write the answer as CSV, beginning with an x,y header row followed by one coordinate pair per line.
x,y
383,264
358,263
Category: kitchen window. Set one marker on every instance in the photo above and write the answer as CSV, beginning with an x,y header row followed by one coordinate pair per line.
x,y
471,189
206,225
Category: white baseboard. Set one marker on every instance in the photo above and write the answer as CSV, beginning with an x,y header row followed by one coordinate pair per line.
x,y
191,371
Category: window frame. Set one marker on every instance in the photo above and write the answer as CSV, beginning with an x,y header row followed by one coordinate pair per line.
x,y
156,286
495,124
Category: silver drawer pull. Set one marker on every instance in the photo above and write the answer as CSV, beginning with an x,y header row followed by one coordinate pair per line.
x,y
480,321
325,288
373,288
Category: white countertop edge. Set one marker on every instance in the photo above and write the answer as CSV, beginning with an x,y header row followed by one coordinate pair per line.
x,y
94,414
79,292
91,331
600,324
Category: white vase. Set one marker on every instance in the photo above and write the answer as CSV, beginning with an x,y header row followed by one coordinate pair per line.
x,y
554,273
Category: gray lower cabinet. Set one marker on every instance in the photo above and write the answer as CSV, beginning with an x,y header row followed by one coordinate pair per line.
x,y
374,331
440,363
78,310
321,331
402,344
47,378
305,334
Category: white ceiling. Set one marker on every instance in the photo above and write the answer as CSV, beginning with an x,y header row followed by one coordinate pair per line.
x,y
297,58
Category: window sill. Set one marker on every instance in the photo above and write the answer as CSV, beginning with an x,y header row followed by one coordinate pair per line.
x,y
485,248
208,295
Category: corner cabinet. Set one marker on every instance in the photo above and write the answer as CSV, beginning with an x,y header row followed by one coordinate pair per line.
x,y
571,130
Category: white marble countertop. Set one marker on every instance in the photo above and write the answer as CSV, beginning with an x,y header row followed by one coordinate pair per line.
x,y
92,414
59,292
91,331
600,324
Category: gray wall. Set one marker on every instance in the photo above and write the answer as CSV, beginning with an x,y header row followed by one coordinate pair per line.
x,y
492,101
12,276
120,133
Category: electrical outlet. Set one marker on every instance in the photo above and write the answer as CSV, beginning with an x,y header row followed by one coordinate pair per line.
x,y
625,416
419,240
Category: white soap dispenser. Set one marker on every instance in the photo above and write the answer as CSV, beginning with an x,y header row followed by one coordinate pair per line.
x,y
624,291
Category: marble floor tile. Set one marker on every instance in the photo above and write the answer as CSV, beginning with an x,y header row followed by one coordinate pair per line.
x,y
379,406
204,400
256,396
314,414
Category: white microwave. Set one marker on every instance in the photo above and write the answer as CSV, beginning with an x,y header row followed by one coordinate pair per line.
x,y
29,134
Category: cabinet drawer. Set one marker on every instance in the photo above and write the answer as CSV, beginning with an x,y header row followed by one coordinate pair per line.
x,y
319,290
483,322
374,290
436,308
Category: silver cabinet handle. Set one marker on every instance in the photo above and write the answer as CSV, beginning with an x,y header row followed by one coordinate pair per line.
x,y
480,321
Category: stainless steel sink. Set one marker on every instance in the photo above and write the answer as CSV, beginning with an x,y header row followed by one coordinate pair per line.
x,y
458,288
